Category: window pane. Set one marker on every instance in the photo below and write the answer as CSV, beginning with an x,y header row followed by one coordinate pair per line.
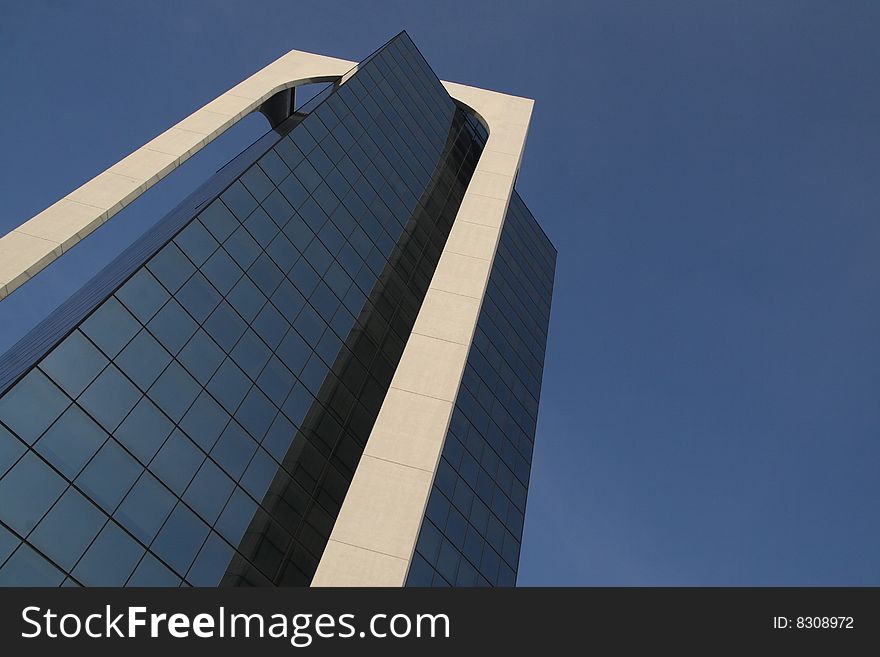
x,y
229,385
236,516
27,491
251,354
279,209
276,381
143,295
143,359
180,539
109,475
293,351
145,508
144,430
270,325
242,247
30,406
151,572
261,227
225,326
259,474
74,363
71,441
66,531
209,490
274,166
239,200
110,327
172,326
171,267
174,391
205,421
196,242
199,297
256,413
27,568
265,274
279,437
11,448
177,462
246,298
219,220
234,450
222,271
211,563
201,356
8,543
257,182
110,397
110,560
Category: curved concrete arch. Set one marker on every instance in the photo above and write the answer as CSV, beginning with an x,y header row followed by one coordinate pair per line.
x,y
30,247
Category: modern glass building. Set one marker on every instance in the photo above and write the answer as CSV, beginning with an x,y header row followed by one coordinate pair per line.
x,y
322,368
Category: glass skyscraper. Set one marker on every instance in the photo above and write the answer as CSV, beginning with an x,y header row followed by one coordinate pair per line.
x,y
335,345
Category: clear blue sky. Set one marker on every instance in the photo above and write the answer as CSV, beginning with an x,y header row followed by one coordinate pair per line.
x,y
710,173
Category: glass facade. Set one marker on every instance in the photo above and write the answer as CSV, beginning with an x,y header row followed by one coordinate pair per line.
x,y
201,424
471,532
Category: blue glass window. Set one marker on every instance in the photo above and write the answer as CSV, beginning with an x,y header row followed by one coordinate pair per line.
x,y
236,516
211,563
109,475
110,327
171,267
110,560
177,462
201,356
27,491
257,183
180,539
234,449
199,297
110,397
144,430
151,572
246,298
208,491
10,450
71,441
219,220
143,295
196,242
205,421
225,326
172,326
174,391
242,247
32,405
68,529
74,363
239,200
229,385
261,227
145,508
143,359
27,568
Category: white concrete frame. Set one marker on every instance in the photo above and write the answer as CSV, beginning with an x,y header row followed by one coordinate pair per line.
x,y
374,536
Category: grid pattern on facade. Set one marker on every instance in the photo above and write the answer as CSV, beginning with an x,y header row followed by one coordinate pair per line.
x,y
472,529
202,423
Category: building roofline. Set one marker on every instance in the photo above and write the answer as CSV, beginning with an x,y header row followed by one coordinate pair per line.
x,y
33,245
